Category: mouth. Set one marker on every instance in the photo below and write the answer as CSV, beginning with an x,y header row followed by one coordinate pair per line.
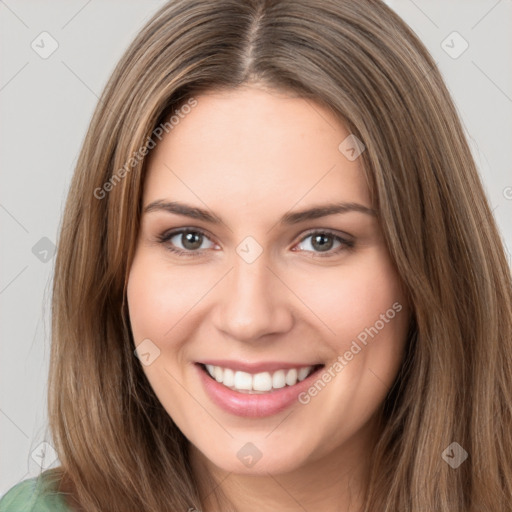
x,y
261,382
256,393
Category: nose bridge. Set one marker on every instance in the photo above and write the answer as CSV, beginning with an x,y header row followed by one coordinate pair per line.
x,y
252,303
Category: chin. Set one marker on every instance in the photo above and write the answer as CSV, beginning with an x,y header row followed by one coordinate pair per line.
x,y
257,458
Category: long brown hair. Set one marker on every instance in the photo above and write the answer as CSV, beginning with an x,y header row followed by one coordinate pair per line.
x,y
119,449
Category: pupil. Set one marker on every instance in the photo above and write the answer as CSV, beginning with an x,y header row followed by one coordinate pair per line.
x,y
321,240
189,242
193,241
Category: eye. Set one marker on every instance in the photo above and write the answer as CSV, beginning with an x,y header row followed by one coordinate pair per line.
x,y
323,241
191,241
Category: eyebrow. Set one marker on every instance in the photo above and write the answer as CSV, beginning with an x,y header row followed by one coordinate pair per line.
x,y
290,218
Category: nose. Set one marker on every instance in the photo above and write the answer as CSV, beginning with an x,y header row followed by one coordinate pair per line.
x,y
253,302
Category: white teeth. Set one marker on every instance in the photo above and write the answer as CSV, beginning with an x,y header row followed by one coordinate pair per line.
x,y
291,377
303,373
259,382
242,380
229,377
279,379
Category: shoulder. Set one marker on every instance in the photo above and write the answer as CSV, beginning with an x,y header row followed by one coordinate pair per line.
x,y
32,495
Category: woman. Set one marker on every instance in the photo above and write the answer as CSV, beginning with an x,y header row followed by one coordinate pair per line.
x,y
279,283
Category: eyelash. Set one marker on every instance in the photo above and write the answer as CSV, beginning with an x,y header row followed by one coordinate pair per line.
x,y
164,238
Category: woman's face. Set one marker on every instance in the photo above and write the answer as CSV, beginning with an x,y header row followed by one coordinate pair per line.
x,y
263,291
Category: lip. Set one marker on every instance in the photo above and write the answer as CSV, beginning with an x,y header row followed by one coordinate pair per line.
x,y
249,405
268,366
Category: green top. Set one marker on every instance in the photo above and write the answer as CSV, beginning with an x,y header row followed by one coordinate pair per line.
x,y
28,496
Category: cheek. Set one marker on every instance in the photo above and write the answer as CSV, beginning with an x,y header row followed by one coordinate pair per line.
x,y
147,298
349,300
364,317
367,316
159,299
160,296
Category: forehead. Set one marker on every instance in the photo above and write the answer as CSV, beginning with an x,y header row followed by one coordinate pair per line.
x,y
249,151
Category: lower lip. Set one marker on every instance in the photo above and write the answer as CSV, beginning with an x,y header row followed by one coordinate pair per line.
x,y
253,405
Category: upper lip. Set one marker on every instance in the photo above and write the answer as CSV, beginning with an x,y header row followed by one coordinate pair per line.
x,y
266,366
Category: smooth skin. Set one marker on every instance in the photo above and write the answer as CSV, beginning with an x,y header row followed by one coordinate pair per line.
x,y
250,156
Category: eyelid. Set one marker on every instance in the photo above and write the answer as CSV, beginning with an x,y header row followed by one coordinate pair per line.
x,y
345,239
327,231
169,233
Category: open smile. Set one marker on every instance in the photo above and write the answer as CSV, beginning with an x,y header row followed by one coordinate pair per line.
x,y
255,394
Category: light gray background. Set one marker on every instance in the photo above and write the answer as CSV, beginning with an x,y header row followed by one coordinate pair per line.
x,y
46,105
